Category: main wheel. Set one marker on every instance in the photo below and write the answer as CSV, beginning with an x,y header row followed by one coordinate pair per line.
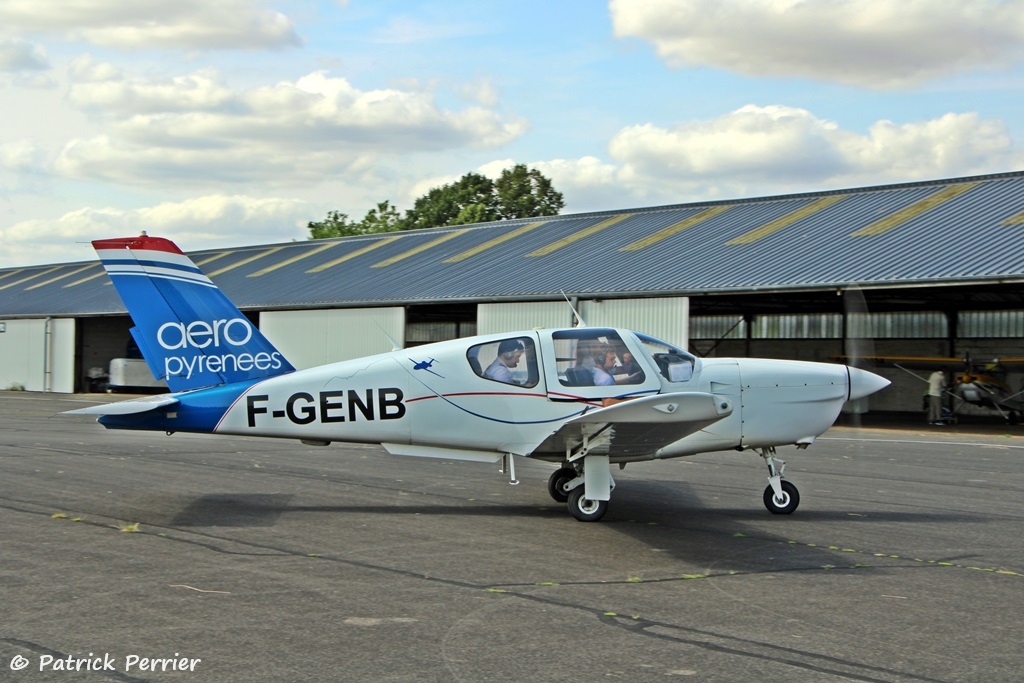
x,y
784,506
557,480
584,509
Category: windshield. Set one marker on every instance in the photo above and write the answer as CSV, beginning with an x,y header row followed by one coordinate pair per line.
x,y
674,364
594,357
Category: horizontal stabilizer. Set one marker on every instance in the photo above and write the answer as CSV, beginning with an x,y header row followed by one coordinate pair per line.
x,y
129,407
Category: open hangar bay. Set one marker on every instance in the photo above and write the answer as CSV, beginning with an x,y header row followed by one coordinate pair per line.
x,y
919,269
270,561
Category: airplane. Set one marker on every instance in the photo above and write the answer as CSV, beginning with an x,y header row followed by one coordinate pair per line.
x,y
541,394
980,383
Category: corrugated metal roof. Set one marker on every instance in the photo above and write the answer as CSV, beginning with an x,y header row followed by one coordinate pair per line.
x,y
962,230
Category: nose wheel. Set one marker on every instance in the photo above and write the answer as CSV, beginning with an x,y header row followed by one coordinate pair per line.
x,y
783,504
781,496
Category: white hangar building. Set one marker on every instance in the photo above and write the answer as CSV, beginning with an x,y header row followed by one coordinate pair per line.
x,y
929,268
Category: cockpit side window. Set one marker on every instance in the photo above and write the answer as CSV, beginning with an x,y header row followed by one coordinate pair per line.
x,y
509,361
594,357
674,364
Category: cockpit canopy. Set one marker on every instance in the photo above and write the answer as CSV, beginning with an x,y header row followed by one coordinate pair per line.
x,y
581,357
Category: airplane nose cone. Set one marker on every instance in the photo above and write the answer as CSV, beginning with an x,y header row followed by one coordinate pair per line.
x,y
864,383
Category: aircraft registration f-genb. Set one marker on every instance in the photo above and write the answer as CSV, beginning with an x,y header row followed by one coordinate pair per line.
x,y
582,398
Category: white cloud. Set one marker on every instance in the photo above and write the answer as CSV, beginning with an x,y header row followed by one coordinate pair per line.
x,y
22,156
876,44
20,55
199,223
776,150
784,146
193,128
128,24
481,91
782,143
765,151
102,88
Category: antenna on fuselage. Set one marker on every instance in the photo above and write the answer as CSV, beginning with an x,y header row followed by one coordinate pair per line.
x,y
580,322
395,346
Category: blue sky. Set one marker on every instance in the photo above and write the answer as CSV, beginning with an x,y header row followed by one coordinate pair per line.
x,y
230,122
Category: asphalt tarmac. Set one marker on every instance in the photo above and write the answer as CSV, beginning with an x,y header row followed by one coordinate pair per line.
x,y
146,557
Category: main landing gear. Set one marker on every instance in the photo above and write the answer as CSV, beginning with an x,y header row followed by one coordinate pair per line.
x,y
568,485
780,497
591,475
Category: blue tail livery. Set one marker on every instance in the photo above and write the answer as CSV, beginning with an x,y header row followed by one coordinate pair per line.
x,y
189,332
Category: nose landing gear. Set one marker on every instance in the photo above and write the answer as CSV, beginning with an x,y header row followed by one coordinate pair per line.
x,y
780,497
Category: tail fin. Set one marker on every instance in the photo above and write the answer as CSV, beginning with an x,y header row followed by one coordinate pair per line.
x,y
189,333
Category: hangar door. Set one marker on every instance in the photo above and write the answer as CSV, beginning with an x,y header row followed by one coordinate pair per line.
x,y
666,318
317,337
38,354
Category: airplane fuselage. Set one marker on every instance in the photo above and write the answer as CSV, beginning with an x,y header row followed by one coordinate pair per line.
x,y
393,399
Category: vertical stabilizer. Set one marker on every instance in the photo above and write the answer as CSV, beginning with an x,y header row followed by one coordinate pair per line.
x,y
190,334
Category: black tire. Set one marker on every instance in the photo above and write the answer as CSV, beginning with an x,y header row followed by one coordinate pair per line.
x,y
558,479
584,509
789,503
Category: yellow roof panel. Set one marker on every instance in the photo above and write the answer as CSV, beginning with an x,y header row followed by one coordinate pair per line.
x,y
418,250
376,244
675,229
30,277
294,259
245,261
914,210
787,220
577,236
67,274
501,239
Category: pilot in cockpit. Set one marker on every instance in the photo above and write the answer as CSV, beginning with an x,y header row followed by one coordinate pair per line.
x,y
509,352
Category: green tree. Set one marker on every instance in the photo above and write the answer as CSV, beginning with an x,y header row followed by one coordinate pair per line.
x,y
520,192
473,213
336,224
444,205
382,218
526,193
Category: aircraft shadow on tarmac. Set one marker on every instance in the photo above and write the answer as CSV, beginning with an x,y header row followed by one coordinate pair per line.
x,y
233,510
646,502
669,518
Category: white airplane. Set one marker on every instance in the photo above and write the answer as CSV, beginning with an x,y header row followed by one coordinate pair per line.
x,y
583,398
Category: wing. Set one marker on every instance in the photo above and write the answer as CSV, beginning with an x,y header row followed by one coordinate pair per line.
x,y
637,426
